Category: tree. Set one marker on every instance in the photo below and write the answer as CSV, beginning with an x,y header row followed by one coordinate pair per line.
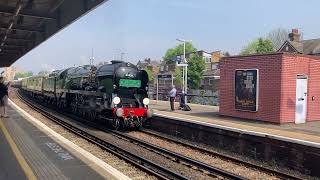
x,y
178,50
23,74
196,66
258,46
264,46
43,72
150,74
278,37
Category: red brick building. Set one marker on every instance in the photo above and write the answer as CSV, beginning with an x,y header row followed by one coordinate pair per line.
x,y
278,88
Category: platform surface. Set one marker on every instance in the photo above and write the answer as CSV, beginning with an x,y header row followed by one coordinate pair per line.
x,y
46,158
309,132
9,165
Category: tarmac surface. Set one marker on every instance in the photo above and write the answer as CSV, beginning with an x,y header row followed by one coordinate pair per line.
x,y
39,155
9,165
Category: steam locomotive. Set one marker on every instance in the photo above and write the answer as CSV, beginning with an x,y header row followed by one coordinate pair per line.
x,y
115,93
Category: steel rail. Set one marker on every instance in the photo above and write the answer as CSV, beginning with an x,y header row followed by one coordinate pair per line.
x,y
179,157
141,163
226,157
282,175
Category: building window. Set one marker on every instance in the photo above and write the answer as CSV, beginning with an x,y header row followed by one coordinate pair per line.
x,y
211,81
214,66
161,68
207,59
202,82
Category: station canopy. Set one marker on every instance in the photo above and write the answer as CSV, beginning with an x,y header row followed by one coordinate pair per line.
x,y
24,24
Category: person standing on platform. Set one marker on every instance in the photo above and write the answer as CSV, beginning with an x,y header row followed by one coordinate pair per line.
x,y
3,98
172,95
182,100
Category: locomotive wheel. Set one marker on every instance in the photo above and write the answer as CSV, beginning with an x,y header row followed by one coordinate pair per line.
x,y
92,115
137,122
116,123
74,108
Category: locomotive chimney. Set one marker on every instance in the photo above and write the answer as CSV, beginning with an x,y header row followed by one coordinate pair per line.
x,y
294,35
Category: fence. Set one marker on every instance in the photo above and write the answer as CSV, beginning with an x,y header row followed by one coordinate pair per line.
x,y
206,97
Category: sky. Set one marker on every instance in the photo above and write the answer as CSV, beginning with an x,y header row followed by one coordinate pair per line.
x,y
147,28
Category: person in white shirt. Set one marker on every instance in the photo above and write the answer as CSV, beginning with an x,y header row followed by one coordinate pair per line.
x,y
172,95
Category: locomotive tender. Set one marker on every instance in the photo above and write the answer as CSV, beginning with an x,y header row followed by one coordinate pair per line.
x,y
116,92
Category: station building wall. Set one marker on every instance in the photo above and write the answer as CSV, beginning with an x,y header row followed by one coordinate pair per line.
x,y
276,86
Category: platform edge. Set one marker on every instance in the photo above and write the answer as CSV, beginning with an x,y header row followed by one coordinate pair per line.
x,y
260,134
108,168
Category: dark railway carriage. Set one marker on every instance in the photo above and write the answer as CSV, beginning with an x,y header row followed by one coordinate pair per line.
x,y
115,93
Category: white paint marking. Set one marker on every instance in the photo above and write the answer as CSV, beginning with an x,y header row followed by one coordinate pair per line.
x,y
64,155
114,172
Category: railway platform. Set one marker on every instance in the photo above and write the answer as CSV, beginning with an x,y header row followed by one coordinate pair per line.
x,y
292,146
30,151
308,133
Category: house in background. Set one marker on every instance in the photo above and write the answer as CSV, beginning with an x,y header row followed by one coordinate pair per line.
x,y
205,56
211,74
296,45
10,72
152,65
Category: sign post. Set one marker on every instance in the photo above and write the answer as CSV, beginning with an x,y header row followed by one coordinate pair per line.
x,y
185,78
157,90
163,77
171,80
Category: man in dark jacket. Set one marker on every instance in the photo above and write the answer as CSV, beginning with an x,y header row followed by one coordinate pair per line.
x,y
182,100
3,98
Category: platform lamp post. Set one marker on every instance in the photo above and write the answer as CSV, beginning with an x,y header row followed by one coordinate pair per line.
x,y
185,64
92,57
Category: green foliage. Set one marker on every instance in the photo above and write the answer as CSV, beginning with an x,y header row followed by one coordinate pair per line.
x,y
43,72
178,50
258,46
250,48
178,77
196,66
23,74
264,46
150,74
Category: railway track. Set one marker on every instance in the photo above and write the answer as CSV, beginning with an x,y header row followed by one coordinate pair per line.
x,y
141,163
223,156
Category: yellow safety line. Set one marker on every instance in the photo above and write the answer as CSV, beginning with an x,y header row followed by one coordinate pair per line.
x,y
23,163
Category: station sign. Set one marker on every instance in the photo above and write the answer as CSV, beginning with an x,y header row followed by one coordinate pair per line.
x,y
246,89
165,76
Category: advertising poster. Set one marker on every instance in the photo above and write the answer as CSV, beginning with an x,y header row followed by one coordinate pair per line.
x,y
246,87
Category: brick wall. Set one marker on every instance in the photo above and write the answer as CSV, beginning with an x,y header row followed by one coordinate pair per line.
x,y
277,86
269,86
292,66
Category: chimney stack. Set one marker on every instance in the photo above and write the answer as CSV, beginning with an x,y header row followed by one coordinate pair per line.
x,y
294,35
